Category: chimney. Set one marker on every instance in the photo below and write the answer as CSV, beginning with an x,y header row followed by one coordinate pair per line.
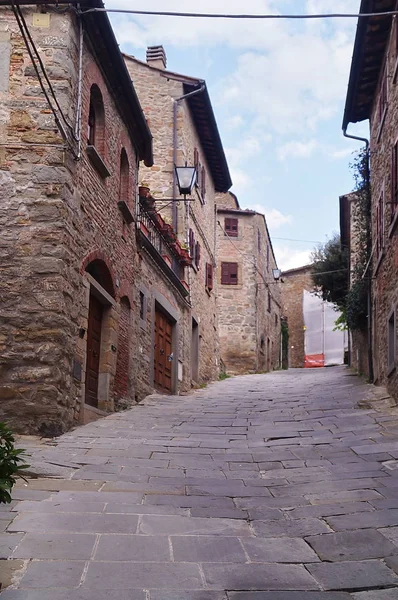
x,y
156,57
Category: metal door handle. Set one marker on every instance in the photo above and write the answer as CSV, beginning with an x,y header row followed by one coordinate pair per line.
x,y
170,357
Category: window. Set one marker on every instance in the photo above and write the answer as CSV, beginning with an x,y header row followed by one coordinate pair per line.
x,y
209,276
258,240
382,98
96,121
124,191
394,180
276,320
269,302
142,306
231,227
229,273
200,176
197,255
391,341
380,225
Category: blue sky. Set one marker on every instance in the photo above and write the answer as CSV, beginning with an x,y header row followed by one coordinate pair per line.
x,y
278,90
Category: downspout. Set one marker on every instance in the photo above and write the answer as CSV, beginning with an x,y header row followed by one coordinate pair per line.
x,y
78,125
175,111
370,315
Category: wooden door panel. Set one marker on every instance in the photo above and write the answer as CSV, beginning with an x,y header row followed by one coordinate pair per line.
x,y
93,350
162,352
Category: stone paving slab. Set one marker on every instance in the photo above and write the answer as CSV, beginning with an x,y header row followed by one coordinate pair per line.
x,y
256,488
352,545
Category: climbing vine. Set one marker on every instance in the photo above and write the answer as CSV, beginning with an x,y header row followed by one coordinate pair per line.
x,y
356,304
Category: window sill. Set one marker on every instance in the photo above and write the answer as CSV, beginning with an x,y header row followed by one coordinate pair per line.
x,y
126,212
97,162
394,222
381,124
379,261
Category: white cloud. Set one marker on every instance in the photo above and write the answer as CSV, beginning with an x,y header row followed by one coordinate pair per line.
x,y
343,153
275,219
297,149
288,258
234,122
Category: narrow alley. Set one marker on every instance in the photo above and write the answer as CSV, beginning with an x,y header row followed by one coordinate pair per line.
x,y
263,487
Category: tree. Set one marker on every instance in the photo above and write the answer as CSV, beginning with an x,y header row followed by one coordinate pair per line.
x,y
330,271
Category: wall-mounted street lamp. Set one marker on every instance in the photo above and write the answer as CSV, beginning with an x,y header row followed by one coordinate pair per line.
x,y
277,274
186,179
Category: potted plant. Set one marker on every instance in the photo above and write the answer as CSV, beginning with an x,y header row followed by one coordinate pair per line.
x,y
144,190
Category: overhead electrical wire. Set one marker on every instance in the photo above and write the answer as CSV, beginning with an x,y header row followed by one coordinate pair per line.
x,y
239,16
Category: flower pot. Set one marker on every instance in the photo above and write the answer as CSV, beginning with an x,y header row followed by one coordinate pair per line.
x,y
167,259
144,191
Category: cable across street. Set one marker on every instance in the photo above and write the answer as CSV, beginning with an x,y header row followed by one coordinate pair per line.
x,y
240,16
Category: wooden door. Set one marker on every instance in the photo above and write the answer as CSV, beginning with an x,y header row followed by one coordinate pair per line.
x,y
163,357
93,350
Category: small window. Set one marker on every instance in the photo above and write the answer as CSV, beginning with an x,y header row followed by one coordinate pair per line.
x,y
269,302
231,227
229,273
142,306
192,243
276,320
197,255
383,93
124,191
209,276
391,341
258,240
380,224
96,121
203,184
394,180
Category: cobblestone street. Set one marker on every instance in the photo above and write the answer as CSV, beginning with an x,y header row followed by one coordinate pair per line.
x,y
264,487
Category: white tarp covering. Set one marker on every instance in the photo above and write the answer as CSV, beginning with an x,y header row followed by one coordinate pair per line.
x,y
323,346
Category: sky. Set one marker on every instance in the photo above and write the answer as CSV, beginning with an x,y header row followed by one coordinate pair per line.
x,y
278,91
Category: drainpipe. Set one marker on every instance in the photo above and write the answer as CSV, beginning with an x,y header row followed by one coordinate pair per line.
x,y
370,315
175,110
78,125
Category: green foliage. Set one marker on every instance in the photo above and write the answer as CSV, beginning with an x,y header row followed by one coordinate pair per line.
x,y
330,271
10,463
357,297
341,322
223,376
331,261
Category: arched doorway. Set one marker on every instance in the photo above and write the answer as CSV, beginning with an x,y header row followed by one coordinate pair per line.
x,y
101,299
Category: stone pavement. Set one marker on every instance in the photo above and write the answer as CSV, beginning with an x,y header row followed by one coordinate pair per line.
x,y
264,487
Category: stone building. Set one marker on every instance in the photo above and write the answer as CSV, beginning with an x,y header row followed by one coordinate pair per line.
x,y
295,281
68,179
349,235
373,95
314,340
184,129
249,299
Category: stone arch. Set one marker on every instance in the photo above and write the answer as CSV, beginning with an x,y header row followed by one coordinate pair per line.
x,y
96,120
98,265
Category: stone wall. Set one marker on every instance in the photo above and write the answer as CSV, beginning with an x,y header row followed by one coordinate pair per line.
x,y
57,216
157,90
295,281
249,332
385,263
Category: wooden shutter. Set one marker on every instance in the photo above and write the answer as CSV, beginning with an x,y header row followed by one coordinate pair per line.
x,y
209,276
229,273
191,243
203,183
231,227
197,254
394,179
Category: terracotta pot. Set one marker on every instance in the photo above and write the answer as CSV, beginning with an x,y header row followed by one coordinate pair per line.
x,y
144,191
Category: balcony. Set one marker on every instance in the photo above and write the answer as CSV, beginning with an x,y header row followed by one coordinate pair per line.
x,y
160,241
